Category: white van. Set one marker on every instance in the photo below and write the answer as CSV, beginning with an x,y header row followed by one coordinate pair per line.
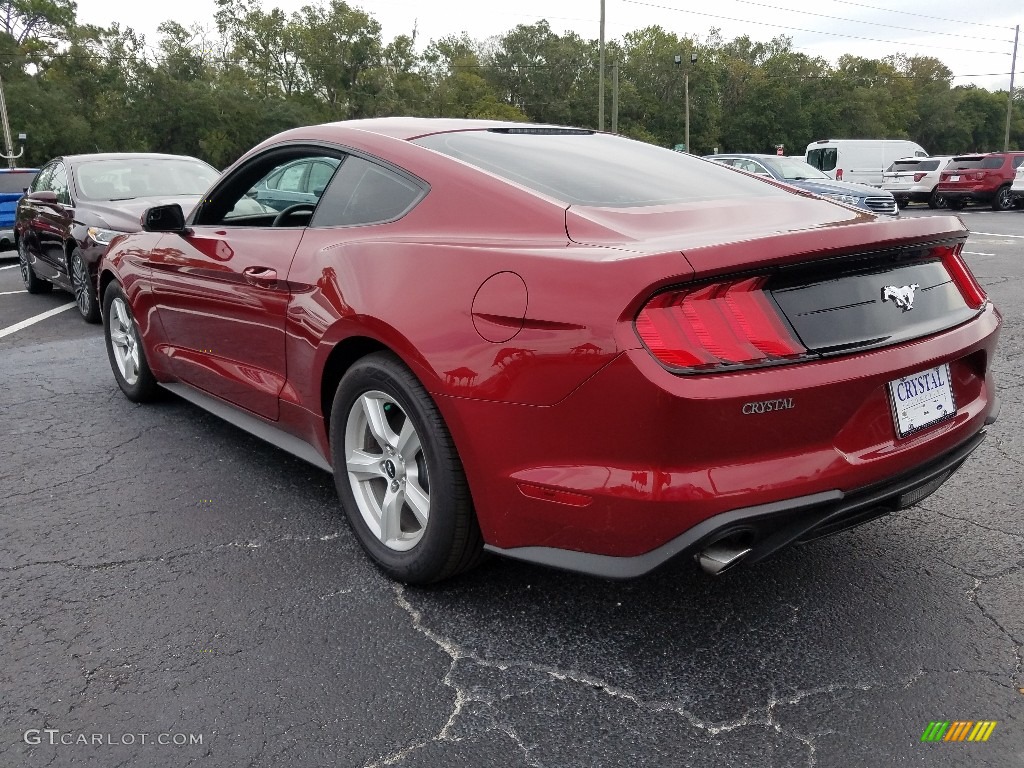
x,y
859,160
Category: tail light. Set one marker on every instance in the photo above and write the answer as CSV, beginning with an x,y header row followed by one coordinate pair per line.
x,y
919,176
968,285
717,327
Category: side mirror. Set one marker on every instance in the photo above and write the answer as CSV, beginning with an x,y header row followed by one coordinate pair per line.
x,y
44,196
164,218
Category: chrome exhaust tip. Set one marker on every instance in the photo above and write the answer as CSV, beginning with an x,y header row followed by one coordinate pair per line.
x,y
720,557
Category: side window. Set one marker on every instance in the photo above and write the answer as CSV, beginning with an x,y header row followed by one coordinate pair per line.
x,y
823,159
362,192
257,193
275,180
1018,160
42,180
59,184
319,177
291,179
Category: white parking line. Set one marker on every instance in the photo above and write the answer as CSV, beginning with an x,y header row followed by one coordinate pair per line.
x,y
12,266
966,253
33,320
987,234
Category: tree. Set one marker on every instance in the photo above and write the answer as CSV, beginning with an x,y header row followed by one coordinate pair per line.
x,y
337,45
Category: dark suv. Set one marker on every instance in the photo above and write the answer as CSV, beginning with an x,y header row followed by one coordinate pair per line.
x,y
980,179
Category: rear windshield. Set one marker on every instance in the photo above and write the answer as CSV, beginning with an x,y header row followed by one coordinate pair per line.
x,y
914,165
584,168
18,181
962,163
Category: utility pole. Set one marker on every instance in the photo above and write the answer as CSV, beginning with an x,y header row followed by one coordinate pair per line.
x,y
687,97
1009,98
600,76
615,96
693,60
9,155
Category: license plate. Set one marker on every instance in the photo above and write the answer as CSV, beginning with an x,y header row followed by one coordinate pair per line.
x,y
922,399
954,178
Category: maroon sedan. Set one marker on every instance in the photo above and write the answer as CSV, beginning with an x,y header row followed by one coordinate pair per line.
x,y
77,204
562,346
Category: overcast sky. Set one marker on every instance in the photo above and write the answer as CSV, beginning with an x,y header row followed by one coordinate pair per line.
x,y
974,39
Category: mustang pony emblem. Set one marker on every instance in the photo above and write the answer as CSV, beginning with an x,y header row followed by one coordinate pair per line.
x,y
902,297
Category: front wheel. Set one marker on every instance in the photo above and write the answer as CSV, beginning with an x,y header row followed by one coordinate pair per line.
x,y
399,476
1003,201
124,347
85,292
32,283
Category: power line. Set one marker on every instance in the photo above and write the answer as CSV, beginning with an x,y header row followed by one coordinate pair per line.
x,y
920,15
869,23
811,31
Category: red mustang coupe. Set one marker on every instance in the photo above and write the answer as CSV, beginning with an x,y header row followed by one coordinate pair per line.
x,y
560,345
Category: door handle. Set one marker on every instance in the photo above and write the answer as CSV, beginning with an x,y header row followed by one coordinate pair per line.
x,y
264,277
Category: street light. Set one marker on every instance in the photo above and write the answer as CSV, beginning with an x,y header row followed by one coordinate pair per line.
x,y
693,60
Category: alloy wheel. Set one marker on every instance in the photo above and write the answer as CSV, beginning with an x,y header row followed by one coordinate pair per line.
x,y
387,470
23,263
124,341
80,282
1004,199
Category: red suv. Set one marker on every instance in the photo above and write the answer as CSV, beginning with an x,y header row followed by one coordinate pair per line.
x,y
980,179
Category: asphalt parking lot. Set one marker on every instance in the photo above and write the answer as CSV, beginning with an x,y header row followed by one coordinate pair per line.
x,y
178,593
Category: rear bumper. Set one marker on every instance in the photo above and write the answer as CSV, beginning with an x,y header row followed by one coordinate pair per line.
x,y
637,461
912,195
977,195
766,528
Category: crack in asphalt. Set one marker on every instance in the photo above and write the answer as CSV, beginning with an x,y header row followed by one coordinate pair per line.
x,y
113,452
959,519
762,716
972,597
166,558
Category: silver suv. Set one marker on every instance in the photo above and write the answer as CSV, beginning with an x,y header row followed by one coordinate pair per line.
x,y
913,180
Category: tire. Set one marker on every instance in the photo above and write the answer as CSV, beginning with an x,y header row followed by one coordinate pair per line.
x,y
32,283
936,200
84,290
956,205
124,347
1003,201
386,427
901,204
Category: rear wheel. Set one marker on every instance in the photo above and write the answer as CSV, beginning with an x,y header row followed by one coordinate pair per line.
x,y
900,203
936,200
399,476
85,292
1003,201
32,283
956,205
124,347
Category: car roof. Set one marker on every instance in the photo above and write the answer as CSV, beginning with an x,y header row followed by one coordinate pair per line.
x,y
122,156
414,127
